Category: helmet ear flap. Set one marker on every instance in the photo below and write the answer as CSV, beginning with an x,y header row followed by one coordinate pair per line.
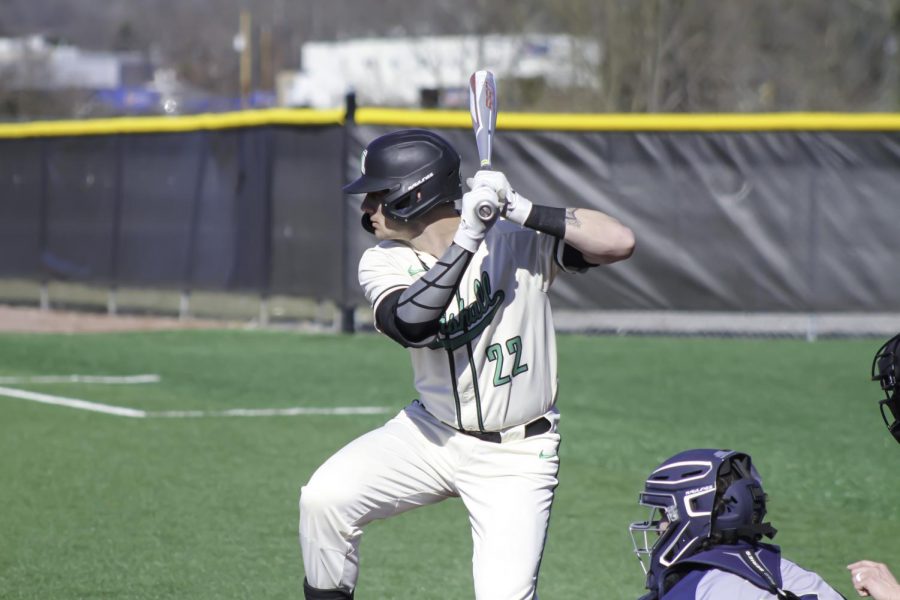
x,y
401,208
740,505
743,502
367,223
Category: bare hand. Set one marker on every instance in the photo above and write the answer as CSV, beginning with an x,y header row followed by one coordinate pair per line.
x,y
873,579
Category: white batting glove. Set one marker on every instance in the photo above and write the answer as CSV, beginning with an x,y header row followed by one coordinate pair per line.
x,y
516,207
472,227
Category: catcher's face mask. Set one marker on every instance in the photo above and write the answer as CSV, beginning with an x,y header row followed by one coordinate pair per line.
x,y
646,535
886,370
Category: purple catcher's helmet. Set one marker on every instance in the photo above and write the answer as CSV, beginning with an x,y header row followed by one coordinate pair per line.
x,y
886,370
698,499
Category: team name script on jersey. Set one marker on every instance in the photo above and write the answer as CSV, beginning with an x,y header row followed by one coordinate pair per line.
x,y
459,329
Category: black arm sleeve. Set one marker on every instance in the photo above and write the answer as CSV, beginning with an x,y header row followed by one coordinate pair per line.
x,y
386,319
412,315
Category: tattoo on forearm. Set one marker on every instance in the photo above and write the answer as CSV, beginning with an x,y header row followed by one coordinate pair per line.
x,y
572,219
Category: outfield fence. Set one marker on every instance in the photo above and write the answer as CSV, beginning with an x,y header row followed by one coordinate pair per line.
x,y
795,214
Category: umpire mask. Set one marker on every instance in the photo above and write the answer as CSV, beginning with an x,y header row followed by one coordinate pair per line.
x,y
886,370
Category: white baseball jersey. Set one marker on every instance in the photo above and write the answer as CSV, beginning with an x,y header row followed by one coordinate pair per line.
x,y
493,364
491,367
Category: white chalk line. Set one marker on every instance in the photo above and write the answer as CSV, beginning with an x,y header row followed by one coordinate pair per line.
x,y
104,379
72,403
121,411
270,412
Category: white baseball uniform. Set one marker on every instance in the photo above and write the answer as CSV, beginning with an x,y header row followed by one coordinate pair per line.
x,y
492,368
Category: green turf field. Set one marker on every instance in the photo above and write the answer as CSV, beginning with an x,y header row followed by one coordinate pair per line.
x,y
100,506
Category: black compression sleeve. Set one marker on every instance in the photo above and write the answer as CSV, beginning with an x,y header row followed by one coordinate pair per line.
x,y
386,318
413,315
574,260
547,219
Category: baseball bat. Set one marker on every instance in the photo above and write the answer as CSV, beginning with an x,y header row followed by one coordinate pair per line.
x,y
483,106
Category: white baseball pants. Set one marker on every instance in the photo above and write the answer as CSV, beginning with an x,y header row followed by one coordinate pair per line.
x,y
415,460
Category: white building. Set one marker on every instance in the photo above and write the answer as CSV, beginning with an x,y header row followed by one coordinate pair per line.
x,y
35,64
401,71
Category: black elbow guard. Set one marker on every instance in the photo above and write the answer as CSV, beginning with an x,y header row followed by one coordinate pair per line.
x,y
405,334
573,260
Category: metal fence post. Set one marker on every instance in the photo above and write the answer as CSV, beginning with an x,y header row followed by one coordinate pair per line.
x,y
347,323
814,258
184,305
268,172
44,224
112,307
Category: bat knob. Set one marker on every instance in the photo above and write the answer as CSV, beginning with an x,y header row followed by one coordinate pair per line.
x,y
486,211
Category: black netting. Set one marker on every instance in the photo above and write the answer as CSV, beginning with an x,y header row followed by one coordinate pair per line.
x,y
755,221
744,221
307,231
21,183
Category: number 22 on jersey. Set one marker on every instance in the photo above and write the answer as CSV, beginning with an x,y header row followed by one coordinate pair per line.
x,y
495,354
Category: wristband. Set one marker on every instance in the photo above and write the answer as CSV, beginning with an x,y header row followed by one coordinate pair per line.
x,y
547,219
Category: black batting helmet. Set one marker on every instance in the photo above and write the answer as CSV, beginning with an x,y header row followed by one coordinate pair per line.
x,y
415,169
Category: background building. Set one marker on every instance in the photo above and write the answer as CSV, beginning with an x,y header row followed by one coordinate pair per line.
x,y
433,71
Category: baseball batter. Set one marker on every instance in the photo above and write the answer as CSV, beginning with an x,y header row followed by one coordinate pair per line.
x,y
469,300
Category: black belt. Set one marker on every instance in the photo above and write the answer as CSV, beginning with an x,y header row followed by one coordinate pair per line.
x,y
536,427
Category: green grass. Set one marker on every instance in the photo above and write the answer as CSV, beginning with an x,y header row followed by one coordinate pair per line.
x,y
97,506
